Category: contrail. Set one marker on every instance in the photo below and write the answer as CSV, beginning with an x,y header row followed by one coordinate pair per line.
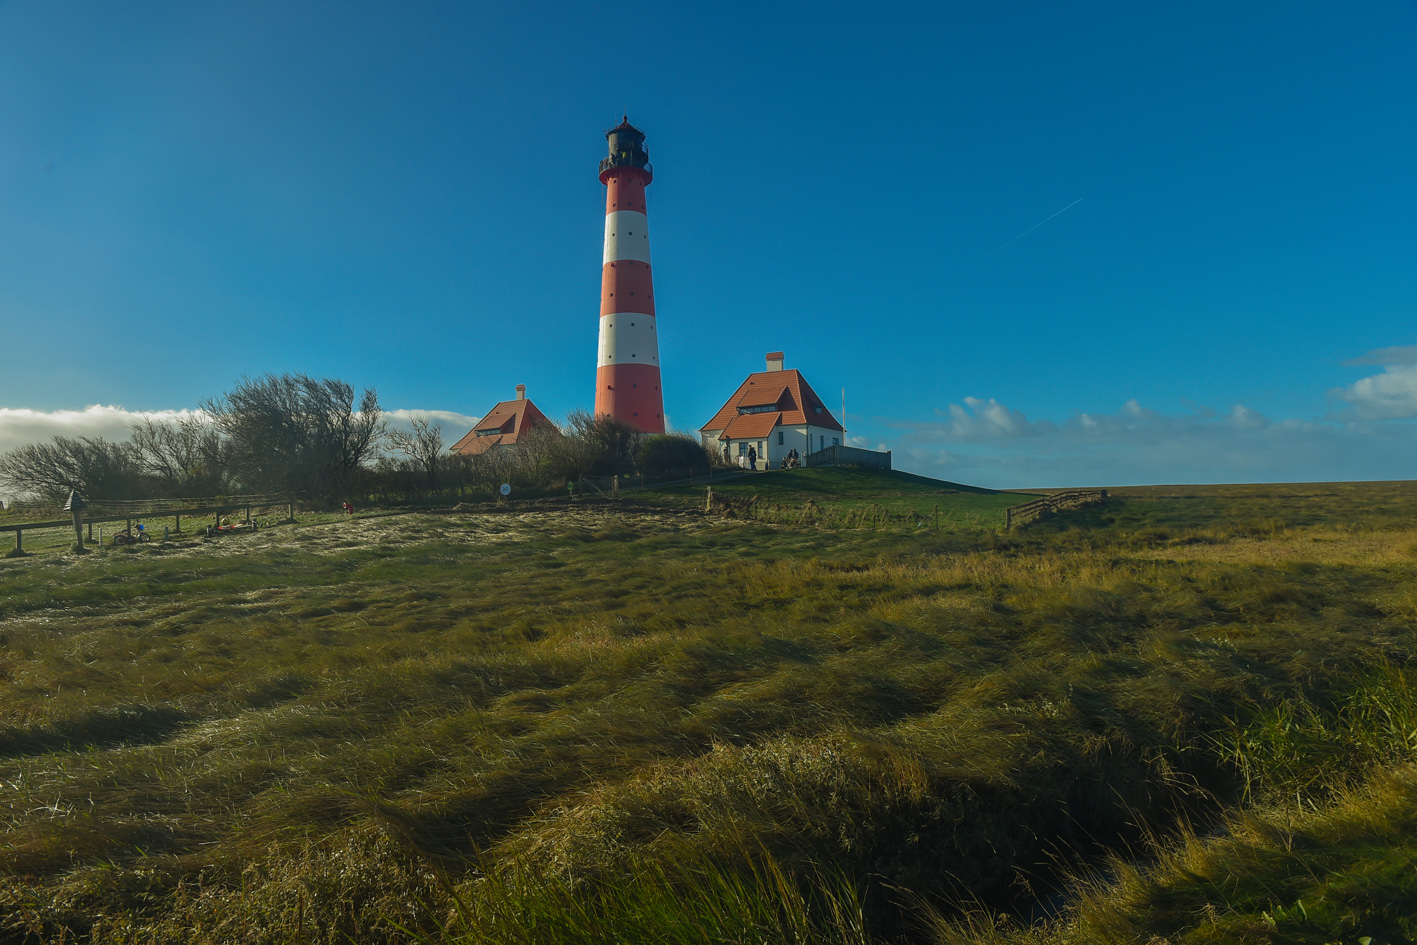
x,y
1035,226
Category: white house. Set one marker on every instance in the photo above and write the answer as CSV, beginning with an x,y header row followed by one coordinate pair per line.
x,y
774,411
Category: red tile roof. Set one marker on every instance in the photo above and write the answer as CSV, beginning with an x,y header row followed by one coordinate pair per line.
x,y
502,426
766,387
751,426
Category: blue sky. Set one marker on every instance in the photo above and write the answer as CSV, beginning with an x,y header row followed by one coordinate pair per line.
x,y
407,199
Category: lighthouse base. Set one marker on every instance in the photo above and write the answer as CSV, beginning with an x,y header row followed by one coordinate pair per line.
x,y
630,392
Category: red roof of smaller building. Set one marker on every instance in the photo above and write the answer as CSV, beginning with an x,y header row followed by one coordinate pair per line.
x,y
766,388
503,425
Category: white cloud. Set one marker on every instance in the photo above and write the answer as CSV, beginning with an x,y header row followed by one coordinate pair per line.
x,y
1404,354
1391,395
20,426
989,420
988,443
454,424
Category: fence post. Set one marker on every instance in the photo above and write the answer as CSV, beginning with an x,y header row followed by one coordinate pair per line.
x,y
615,488
19,551
74,506
708,500
178,527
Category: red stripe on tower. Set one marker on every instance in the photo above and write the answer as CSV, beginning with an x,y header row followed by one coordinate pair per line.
x,y
627,368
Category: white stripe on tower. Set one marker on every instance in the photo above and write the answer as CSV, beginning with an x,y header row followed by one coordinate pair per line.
x,y
628,338
626,236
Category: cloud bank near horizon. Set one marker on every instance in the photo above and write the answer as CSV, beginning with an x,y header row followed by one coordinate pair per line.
x,y
454,424
20,425
985,442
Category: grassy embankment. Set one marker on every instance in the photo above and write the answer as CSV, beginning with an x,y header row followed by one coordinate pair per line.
x,y
556,726
851,497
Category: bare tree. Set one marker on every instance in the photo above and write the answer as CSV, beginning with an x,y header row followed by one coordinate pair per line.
x,y
293,432
186,458
423,449
91,466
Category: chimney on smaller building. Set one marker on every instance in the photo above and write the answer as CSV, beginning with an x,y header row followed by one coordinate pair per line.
x,y
521,392
774,360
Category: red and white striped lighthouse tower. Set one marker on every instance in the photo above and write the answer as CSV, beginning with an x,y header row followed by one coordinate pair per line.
x,y
627,370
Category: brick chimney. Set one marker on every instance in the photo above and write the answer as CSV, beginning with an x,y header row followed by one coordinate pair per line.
x,y
774,360
521,392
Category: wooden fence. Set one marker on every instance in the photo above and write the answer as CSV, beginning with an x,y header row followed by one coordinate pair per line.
x,y
99,512
1068,499
849,456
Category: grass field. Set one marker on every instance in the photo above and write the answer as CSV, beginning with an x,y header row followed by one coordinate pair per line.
x,y
845,496
1186,715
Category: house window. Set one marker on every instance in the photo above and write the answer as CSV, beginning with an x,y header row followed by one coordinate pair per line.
x,y
765,408
742,448
780,435
836,441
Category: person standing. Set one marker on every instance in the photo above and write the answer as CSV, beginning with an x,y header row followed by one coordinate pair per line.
x,y
753,458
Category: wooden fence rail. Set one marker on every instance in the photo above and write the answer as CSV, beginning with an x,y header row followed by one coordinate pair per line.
x,y
108,510
1069,499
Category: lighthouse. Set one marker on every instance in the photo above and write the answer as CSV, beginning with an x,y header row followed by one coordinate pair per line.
x,y
627,366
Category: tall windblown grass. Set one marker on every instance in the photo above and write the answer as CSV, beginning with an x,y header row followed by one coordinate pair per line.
x,y
590,717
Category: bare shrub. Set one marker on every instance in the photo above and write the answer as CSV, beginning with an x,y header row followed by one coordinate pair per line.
x,y
297,433
92,466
